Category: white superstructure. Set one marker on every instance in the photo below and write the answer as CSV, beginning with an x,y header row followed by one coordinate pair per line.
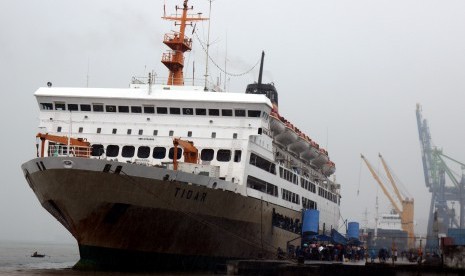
x,y
231,130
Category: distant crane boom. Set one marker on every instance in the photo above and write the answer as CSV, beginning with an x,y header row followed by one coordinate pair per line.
x,y
376,177
407,210
391,179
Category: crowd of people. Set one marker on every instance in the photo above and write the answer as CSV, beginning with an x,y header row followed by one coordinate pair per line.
x,y
286,223
324,252
340,253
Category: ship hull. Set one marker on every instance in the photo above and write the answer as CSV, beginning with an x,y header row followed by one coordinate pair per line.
x,y
139,217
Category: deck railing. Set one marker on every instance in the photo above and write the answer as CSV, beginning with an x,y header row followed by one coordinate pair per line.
x,y
74,151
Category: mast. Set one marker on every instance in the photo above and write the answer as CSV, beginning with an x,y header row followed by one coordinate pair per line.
x,y
179,43
208,47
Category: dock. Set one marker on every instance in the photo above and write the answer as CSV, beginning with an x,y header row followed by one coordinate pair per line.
x,y
358,268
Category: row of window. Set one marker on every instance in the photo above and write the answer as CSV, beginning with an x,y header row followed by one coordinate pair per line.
x,y
141,132
288,175
268,188
290,196
150,109
307,185
262,186
143,152
326,194
309,204
262,163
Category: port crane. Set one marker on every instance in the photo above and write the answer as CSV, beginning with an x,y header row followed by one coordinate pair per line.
x,y
435,170
406,209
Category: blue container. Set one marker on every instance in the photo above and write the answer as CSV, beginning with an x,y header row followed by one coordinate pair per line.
x,y
353,230
455,232
310,223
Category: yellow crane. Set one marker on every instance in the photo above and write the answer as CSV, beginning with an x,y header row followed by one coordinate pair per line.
x,y
406,210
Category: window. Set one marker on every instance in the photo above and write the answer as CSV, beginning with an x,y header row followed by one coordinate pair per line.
x,y
149,109
159,152
81,129
112,150
141,131
171,133
207,154
155,132
60,106
97,150
175,110
97,107
290,196
110,108
253,113
188,111
189,134
129,131
136,109
171,153
143,152
200,111
85,107
123,109
114,131
99,130
262,186
262,163
226,112
223,155
288,175
73,107
234,135
307,185
239,113
59,129
128,151
46,106
260,131
237,156
214,112
162,110
308,203
213,134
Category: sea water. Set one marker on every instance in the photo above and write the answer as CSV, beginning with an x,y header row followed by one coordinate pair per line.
x,y
16,260
15,257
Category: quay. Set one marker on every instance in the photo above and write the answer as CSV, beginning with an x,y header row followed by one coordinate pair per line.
x,y
359,268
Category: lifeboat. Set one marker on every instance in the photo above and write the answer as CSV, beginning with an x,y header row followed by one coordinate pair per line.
x,y
328,168
309,153
276,125
288,136
321,159
299,145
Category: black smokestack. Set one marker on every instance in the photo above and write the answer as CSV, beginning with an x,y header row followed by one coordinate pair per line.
x,y
261,69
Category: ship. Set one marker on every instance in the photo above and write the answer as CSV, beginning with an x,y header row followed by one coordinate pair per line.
x,y
173,175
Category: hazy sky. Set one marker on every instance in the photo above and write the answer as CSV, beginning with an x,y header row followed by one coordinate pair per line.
x,y
348,73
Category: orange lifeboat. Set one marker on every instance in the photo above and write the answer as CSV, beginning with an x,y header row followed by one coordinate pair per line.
x,y
328,168
276,125
321,159
299,145
288,136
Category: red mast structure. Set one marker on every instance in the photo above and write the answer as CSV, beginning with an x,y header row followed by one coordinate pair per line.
x,y
179,43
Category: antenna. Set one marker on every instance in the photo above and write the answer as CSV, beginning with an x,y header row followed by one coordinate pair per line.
x,y
208,45
226,62
88,69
